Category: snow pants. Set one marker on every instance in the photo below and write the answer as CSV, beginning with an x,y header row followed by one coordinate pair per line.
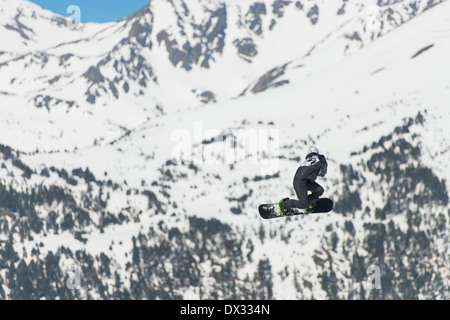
x,y
305,200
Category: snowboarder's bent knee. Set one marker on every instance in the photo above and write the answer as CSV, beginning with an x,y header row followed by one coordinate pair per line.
x,y
315,165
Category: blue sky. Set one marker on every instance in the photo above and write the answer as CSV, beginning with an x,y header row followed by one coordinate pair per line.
x,y
95,10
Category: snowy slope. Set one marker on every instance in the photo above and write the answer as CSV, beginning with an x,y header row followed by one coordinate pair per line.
x,y
204,51
172,205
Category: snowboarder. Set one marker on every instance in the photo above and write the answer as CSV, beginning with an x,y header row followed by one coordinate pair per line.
x,y
314,165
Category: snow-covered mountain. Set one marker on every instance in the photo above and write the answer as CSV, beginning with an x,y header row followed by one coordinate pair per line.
x,y
137,152
205,51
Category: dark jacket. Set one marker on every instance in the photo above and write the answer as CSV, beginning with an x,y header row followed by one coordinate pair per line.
x,y
314,165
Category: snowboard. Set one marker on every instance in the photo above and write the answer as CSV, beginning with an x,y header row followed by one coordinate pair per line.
x,y
270,211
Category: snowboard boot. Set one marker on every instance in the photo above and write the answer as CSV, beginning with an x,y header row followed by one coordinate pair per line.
x,y
282,208
310,208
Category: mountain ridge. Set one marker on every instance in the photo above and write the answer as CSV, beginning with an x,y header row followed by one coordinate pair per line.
x,y
131,56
